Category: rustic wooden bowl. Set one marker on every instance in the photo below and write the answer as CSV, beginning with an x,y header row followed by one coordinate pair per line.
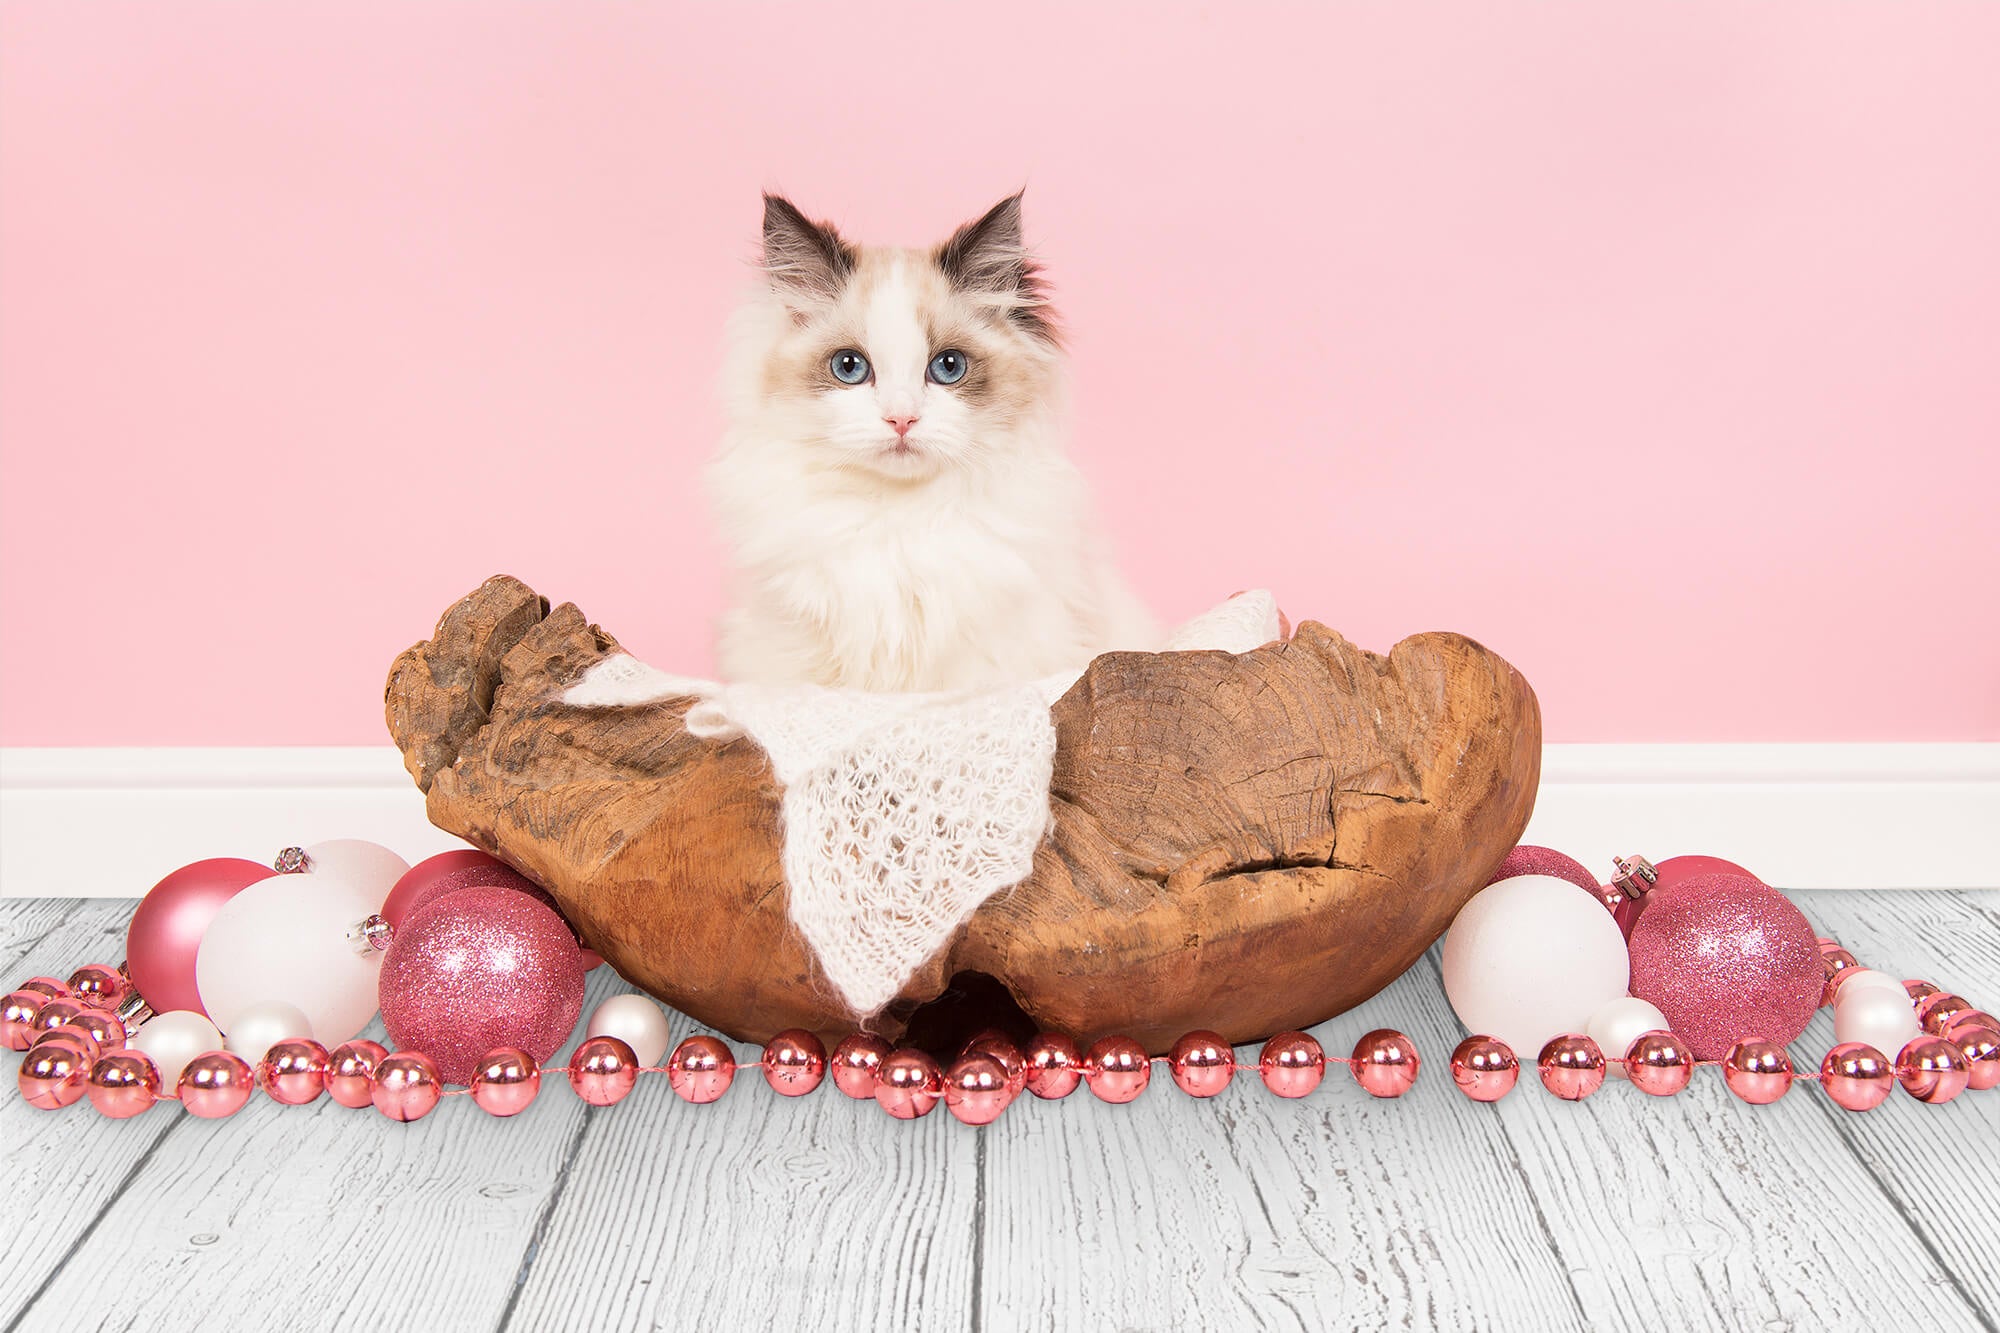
x,y
1242,842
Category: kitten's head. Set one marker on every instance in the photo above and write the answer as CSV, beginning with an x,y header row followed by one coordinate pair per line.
x,y
898,363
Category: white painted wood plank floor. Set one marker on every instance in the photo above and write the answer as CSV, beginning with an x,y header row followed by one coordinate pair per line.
x,y
1247,1212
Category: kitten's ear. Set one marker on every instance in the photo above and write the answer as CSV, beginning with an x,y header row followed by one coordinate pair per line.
x,y
989,259
807,260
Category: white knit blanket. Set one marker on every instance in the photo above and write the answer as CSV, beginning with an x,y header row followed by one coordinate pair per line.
x,y
902,812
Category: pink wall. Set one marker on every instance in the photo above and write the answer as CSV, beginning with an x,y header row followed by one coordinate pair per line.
x,y
313,315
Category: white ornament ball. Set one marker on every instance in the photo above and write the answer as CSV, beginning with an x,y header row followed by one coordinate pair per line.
x,y
368,866
1859,979
1619,1023
262,1026
1885,1021
287,938
634,1020
1531,958
174,1038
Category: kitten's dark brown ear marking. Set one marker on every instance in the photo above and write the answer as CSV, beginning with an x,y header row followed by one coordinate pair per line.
x,y
803,257
989,256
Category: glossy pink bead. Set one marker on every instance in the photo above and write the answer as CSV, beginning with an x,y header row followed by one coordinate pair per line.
x,y
99,986
123,1084
52,988
104,1029
53,1075
350,1072
1571,1066
854,1063
1966,1019
1001,1047
58,1013
1837,960
293,1072
1055,1066
603,1070
506,1081
1201,1063
700,1069
1919,990
908,1084
1933,1070
216,1085
1484,1068
1117,1070
1385,1063
1934,1012
1291,1064
1857,1076
1659,1063
1981,1046
794,1062
1756,1071
18,1012
975,1089
408,1086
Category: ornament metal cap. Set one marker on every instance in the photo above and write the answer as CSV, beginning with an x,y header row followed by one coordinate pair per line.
x,y
371,934
1636,876
292,861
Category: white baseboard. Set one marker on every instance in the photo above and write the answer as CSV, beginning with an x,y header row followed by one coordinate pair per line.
x,y
110,822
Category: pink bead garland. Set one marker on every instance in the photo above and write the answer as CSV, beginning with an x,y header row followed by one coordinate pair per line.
x,y
75,1043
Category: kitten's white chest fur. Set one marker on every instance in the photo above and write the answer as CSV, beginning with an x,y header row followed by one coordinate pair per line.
x,y
900,533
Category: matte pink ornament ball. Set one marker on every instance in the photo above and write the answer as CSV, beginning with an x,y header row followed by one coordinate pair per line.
x,y
603,1070
1385,1063
1484,1068
1117,1070
1725,957
166,930
480,968
407,1086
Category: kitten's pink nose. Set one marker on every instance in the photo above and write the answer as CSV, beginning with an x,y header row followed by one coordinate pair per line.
x,y
902,424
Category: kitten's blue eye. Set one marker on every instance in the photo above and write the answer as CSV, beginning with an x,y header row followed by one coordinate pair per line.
x,y
948,367
849,366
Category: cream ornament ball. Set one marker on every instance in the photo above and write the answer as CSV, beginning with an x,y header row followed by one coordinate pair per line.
x,y
636,1021
368,866
172,1039
289,938
261,1026
1883,1019
1530,958
1617,1024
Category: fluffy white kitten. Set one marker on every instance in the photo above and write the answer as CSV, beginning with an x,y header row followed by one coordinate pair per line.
x,y
893,485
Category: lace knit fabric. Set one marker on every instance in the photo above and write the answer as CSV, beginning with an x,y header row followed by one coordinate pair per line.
x,y
902,812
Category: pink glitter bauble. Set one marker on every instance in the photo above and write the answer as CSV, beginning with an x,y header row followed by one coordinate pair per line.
x,y
480,968
1725,957
1527,860
166,930
448,872
1679,869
